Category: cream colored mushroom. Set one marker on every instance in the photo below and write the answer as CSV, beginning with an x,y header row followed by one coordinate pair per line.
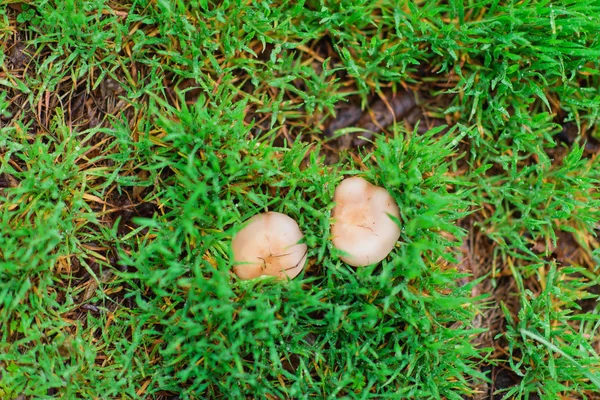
x,y
269,245
362,228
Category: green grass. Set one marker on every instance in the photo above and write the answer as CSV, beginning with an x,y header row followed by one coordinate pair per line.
x,y
135,138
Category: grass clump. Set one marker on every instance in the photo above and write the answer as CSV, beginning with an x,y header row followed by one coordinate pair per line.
x,y
336,330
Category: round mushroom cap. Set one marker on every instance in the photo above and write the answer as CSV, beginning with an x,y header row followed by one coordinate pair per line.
x,y
268,245
362,228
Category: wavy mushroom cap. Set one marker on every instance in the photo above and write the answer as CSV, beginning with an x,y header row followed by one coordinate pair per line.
x,y
362,228
268,245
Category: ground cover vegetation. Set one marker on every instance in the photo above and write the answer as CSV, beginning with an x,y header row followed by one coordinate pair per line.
x,y
137,136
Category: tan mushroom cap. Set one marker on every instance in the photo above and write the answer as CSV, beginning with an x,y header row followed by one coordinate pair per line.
x,y
362,227
268,245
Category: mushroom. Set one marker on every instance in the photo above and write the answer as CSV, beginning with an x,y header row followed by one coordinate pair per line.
x,y
362,228
269,245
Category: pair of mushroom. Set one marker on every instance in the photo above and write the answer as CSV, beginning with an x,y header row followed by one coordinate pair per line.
x,y
363,231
